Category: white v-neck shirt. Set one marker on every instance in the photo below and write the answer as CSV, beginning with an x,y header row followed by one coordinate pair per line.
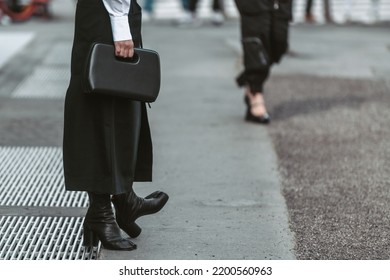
x,y
119,11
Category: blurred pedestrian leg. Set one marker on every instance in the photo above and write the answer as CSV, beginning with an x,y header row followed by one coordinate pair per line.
x,y
327,12
185,4
309,17
148,10
217,17
264,37
188,17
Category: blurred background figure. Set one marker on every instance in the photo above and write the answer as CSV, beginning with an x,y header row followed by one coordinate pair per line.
x,y
185,4
191,16
217,17
327,12
372,13
148,10
147,13
309,17
187,14
264,37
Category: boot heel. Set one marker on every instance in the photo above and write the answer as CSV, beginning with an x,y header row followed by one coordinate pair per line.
x,y
132,229
90,239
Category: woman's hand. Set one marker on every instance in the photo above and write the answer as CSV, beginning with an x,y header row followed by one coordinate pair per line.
x,y
124,48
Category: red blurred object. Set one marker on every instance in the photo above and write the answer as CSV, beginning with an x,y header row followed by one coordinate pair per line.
x,y
18,11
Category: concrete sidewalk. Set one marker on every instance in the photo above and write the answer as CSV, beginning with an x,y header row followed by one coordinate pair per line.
x,y
221,173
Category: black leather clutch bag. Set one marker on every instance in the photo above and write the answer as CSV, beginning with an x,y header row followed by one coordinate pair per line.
x,y
137,78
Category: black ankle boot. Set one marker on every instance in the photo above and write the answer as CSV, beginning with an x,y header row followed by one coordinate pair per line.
x,y
129,207
100,224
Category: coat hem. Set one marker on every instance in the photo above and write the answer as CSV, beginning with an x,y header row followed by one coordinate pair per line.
x,y
98,185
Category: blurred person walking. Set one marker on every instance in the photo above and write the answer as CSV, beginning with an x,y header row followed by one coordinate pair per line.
x,y
107,143
327,12
185,4
264,35
217,16
309,16
186,17
148,10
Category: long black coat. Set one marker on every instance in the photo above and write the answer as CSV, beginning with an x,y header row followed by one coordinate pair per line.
x,y
107,143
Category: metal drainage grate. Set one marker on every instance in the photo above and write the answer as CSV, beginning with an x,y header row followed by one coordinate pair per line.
x,y
44,82
43,238
33,176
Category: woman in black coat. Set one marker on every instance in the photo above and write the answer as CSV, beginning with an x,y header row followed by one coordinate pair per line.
x,y
264,32
107,144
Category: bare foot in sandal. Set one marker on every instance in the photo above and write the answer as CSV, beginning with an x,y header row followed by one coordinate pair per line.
x,y
256,111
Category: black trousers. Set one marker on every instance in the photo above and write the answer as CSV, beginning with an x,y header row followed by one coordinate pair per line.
x,y
264,34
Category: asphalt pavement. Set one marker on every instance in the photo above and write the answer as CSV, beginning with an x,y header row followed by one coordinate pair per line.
x,y
312,185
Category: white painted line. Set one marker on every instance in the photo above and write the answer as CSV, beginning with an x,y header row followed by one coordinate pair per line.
x,y
13,43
